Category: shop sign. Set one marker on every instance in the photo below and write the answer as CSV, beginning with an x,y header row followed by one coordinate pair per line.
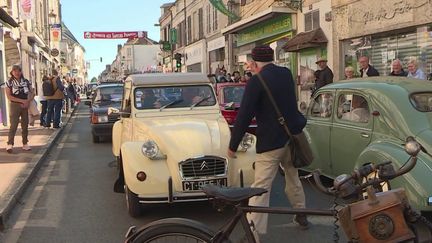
x,y
167,60
266,29
216,44
194,54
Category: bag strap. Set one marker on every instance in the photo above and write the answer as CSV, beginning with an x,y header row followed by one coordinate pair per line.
x,y
280,117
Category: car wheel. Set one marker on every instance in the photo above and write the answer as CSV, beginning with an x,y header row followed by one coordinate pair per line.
x,y
96,139
135,209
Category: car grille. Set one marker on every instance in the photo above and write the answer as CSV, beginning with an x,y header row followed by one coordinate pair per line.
x,y
203,166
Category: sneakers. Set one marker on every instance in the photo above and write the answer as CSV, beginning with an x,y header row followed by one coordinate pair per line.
x,y
9,148
301,221
26,147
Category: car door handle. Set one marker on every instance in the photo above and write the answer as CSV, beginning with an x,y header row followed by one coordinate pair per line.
x,y
365,135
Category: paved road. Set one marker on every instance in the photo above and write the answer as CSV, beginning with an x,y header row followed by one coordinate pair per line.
x,y
71,200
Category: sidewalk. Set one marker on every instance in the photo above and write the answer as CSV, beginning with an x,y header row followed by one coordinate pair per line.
x,y
17,169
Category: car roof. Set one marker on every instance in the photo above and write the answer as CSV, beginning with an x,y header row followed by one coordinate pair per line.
x,y
168,78
222,85
108,85
384,84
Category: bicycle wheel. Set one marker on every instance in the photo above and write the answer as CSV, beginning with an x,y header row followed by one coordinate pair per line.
x,y
172,230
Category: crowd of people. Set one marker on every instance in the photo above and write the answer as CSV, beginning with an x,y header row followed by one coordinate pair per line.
x,y
58,96
222,76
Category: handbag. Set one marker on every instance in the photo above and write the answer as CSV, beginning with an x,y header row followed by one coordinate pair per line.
x,y
301,152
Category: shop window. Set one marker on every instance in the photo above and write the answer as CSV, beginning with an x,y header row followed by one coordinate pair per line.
x,y
189,30
312,20
353,108
200,24
322,105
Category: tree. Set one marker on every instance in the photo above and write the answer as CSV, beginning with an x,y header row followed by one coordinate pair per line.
x,y
93,80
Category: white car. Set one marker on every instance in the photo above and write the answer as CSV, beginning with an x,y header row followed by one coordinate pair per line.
x,y
168,147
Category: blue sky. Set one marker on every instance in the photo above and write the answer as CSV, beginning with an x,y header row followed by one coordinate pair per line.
x,y
109,15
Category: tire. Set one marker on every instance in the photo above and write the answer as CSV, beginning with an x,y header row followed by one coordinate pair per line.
x,y
172,230
96,139
135,209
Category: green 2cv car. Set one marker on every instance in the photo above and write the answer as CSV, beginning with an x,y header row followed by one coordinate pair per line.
x,y
351,123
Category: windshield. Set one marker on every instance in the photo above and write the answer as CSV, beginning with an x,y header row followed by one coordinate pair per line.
x,y
109,94
173,97
422,101
233,94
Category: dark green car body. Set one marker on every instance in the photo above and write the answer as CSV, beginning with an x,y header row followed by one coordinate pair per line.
x,y
394,108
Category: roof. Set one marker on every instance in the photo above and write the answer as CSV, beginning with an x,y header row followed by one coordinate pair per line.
x,y
167,78
141,41
383,84
66,33
305,40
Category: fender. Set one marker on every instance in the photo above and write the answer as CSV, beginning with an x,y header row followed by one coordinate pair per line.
x,y
415,182
116,138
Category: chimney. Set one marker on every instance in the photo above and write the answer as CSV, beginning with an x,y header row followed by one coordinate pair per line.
x,y
119,47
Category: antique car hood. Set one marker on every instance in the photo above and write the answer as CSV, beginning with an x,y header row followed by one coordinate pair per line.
x,y
185,137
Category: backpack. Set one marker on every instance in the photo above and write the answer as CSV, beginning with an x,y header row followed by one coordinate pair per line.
x,y
48,88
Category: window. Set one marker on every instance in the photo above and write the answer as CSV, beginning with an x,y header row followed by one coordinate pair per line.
x,y
422,101
189,30
322,106
215,19
129,52
208,19
312,20
200,24
353,108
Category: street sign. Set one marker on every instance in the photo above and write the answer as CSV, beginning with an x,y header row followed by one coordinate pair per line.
x,y
55,52
166,46
114,35
173,36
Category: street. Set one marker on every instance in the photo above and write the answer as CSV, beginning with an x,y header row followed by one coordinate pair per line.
x,y
71,199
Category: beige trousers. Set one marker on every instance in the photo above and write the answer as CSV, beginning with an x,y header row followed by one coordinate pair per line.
x,y
266,167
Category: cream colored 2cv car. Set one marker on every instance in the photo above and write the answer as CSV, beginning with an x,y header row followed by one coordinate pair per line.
x,y
172,139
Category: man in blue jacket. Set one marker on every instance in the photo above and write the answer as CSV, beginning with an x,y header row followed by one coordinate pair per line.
x,y
272,141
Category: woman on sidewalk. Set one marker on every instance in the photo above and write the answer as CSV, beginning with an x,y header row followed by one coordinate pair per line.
x,y
20,93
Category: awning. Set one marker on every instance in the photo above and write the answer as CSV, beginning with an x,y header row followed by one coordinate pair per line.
x,y
7,19
313,38
257,18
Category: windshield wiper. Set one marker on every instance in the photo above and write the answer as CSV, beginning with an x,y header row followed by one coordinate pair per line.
x,y
170,104
200,101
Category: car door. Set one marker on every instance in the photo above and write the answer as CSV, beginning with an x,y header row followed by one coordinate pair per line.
x,y
351,131
320,115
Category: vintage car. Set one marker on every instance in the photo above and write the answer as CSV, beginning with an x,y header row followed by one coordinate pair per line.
x,y
167,149
351,123
105,96
229,96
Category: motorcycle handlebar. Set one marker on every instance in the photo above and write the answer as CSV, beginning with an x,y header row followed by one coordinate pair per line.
x,y
357,174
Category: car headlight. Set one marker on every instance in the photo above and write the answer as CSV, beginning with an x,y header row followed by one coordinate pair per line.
x,y
247,142
430,201
102,119
151,150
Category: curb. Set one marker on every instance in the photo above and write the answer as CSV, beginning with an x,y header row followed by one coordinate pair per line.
x,y
25,177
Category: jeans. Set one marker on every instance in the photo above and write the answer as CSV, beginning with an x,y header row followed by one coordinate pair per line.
x,y
16,111
43,115
54,109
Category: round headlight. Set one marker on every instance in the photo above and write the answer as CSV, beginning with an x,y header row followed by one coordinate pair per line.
x,y
150,149
247,141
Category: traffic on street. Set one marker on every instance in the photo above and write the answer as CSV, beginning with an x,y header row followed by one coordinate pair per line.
x,y
250,121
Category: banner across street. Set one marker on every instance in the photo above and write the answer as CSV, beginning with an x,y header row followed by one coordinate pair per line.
x,y
113,35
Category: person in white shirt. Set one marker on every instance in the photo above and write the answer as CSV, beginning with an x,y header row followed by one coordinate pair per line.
x,y
359,111
414,71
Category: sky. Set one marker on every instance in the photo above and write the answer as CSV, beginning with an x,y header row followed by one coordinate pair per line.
x,y
109,15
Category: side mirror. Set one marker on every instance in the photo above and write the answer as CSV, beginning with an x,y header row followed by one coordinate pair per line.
x,y
112,110
412,147
87,102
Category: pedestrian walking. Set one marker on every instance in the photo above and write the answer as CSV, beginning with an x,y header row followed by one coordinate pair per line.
x,y
367,70
19,92
325,74
272,141
414,71
71,94
55,101
44,102
349,72
397,69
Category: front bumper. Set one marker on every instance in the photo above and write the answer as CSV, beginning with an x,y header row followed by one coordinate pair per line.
x,y
102,129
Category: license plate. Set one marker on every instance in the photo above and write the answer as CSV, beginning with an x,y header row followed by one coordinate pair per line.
x,y
197,185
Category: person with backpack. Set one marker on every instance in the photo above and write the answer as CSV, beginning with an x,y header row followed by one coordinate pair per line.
x,y
19,92
53,91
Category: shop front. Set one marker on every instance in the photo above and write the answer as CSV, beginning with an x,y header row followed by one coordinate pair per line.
x,y
384,31
216,54
270,27
196,57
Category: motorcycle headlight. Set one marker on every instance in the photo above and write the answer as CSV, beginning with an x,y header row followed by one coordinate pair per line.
x,y
247,141
150,149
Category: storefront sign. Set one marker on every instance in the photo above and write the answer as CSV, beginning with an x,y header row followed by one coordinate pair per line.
x,y
113,35
216,44
263,30
367,15
195,53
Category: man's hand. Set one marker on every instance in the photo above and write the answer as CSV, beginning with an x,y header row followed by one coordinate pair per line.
x,y
231,154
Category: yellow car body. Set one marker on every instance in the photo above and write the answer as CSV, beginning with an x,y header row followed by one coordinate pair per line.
x,y
192,145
